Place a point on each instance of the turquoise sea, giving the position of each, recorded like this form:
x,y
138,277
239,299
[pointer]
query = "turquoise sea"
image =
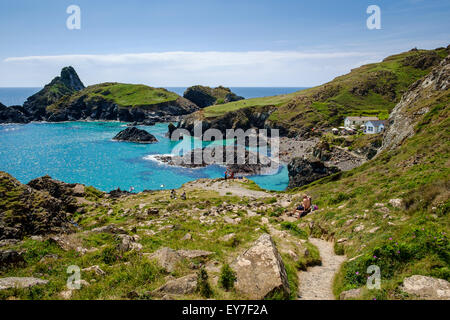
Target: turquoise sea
x,y
84,152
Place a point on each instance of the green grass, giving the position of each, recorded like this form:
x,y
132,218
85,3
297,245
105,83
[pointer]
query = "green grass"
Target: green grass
x,y
124,95
370,90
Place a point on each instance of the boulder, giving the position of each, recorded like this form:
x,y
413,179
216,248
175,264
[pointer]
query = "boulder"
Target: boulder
x,y
353,294
19,283
128,243
167,258
133,134
10,258
260,271
303,171
426,288
95,269
192,254
180,286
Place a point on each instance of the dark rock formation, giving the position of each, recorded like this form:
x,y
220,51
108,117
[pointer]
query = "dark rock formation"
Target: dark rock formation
x,y
305,171
242,163
87,105
26,211
205,96
11,258
66,192
14,114
244,119
134,134
66,84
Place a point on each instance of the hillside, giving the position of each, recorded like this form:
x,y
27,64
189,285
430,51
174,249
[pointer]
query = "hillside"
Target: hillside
x,y
393,210
232,240
118,101
372,89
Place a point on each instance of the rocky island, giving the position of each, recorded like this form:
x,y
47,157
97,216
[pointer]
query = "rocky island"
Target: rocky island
x,y
133,134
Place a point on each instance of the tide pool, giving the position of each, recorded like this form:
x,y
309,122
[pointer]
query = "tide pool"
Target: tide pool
x,y
83,152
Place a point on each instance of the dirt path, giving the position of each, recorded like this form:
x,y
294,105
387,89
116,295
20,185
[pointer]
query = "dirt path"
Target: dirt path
x,y
316,282
226,188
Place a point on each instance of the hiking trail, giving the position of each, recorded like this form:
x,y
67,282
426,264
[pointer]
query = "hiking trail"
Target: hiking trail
x,y
316,283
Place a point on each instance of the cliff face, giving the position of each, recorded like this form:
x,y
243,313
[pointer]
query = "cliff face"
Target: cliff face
x,y
14,114
66,84
416,103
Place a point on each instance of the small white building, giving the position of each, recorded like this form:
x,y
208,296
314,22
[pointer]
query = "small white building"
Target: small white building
x,y
357,121
374,126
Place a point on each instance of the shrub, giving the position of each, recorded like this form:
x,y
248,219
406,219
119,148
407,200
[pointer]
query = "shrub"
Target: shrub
x,y
203,287
227,277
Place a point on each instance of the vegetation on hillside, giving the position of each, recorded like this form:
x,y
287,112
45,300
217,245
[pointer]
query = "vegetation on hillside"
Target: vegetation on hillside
x,y
370,90
124,95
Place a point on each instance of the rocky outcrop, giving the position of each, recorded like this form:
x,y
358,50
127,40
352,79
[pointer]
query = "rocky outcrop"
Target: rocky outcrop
x,y
414,106
260,271
19,283
426,288
134,134
247,118
180,286
26,211
205,96
13,114
11,258
66,84
168,258
303,171
65,192
353,294
242,164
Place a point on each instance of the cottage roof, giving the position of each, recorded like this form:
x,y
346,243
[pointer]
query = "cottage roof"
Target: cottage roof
x,y
362,118
377,123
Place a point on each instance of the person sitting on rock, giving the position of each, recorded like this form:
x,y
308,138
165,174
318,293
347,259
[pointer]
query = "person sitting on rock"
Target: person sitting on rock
x,y
304,208
173,194
183,195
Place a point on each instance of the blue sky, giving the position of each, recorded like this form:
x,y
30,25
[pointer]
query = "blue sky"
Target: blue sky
x,y
211,42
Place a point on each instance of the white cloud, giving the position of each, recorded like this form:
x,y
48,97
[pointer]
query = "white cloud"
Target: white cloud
x,y
182,68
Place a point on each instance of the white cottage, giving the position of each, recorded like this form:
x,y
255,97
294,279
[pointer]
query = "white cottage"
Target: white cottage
x,y
357,121
374,126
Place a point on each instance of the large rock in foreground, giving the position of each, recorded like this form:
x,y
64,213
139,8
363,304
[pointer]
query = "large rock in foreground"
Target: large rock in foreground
x,y
305,171
134,134
260,271
427,288
26,211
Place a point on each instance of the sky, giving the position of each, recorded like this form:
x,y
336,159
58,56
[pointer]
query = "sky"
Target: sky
x,y
169,43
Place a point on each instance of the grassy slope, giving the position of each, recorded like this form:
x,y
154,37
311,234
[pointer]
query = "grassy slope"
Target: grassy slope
x,y
131,271
124,95
413,239
372,89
